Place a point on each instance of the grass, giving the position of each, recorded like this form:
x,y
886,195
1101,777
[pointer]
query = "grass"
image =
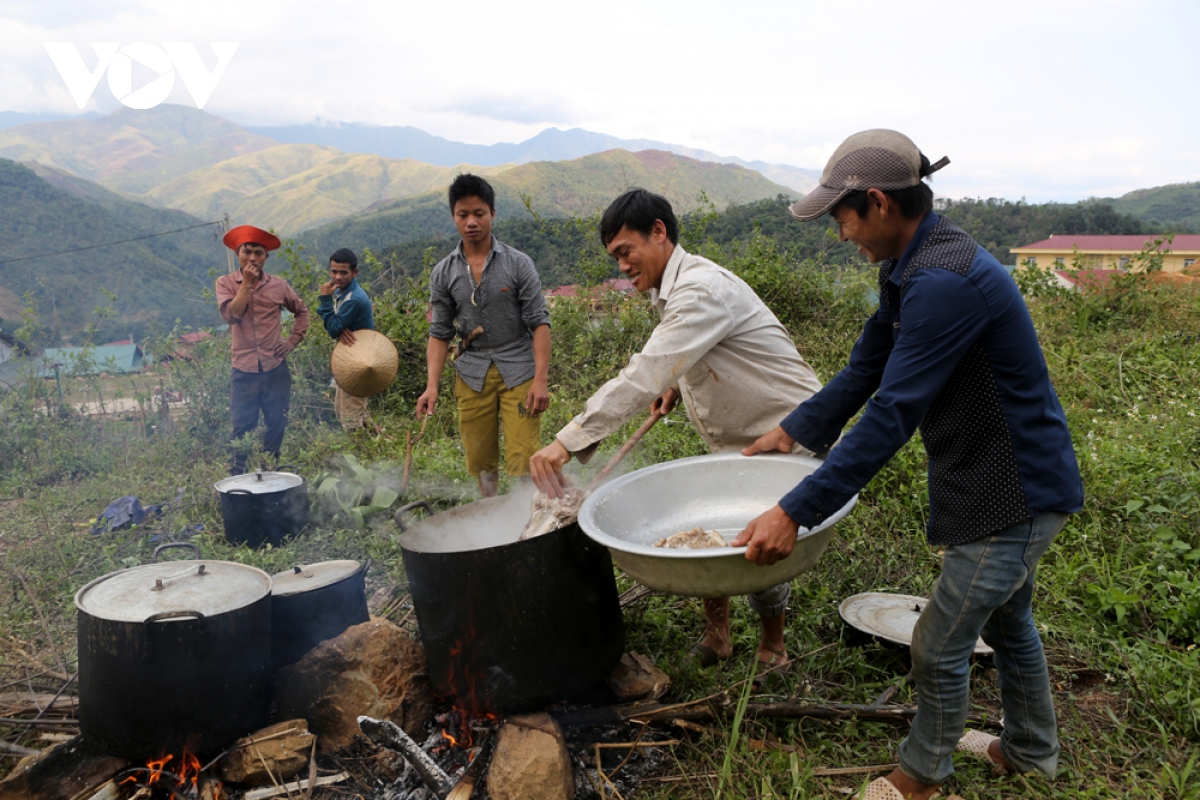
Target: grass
x,y
1118,602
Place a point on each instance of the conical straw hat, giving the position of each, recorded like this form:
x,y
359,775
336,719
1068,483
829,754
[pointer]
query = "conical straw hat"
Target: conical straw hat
x,y
366,368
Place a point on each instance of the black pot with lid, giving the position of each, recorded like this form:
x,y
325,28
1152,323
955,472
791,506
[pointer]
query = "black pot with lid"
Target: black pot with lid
x,y
261,508
315,602
174,655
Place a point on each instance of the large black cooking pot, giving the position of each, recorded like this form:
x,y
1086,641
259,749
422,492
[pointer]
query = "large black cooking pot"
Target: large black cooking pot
x,y
174,655
510,626
263,507
314,602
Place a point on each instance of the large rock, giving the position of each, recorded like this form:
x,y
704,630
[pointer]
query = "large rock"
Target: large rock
x,y
636,678
531,761
265,756
373,668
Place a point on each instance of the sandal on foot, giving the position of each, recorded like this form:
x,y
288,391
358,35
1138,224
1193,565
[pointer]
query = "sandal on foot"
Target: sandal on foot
x,y
705,656
883,789
771,672
977,744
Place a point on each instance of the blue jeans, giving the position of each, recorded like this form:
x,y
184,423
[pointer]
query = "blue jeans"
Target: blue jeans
x,y
986,588
250,392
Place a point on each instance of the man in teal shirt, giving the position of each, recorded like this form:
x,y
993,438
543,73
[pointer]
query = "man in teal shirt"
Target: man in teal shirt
x,y
344,308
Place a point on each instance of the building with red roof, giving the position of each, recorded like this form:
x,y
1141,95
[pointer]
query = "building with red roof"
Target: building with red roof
x,y
1107,252
623,285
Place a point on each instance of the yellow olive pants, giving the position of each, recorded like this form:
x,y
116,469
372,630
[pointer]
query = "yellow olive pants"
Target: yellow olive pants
x,y
480,415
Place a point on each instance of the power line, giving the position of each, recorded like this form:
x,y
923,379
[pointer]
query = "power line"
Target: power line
x,y
110,244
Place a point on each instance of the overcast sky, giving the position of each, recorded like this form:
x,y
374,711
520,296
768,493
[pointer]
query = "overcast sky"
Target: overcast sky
x,y
1047,100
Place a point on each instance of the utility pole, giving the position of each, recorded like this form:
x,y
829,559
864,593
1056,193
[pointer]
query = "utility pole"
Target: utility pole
x,y
231,267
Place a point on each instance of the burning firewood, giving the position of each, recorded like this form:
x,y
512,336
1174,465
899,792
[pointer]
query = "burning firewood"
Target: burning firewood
x,y
389,734
466,782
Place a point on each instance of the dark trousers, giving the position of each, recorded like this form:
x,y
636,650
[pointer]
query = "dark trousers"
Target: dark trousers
x,y
268,392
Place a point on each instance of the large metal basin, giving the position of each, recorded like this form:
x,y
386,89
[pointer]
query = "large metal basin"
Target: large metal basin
x,y
721,492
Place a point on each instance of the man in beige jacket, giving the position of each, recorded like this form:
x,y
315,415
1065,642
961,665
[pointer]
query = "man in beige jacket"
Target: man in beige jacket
x,y
718,347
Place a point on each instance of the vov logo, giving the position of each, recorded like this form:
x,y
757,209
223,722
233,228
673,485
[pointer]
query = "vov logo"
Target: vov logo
x,y
164,61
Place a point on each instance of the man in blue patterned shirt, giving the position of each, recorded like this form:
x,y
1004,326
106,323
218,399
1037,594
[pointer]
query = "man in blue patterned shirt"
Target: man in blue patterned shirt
x,y
951,350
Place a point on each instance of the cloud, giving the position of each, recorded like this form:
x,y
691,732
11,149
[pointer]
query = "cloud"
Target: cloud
x,y
1026,97
525,110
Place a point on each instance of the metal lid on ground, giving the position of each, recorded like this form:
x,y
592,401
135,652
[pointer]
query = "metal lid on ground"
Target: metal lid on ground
x,y
891,617
307,577
260,482
173,590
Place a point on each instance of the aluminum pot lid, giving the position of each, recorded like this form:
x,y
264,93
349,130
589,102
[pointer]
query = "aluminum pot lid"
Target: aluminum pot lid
x,y
260,482
205,587
891,617
306,577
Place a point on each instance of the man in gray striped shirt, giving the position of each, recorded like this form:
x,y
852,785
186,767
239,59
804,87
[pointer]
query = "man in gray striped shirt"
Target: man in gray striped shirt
x,y
491,296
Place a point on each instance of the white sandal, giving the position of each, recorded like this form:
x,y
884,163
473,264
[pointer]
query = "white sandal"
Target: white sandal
x,y
978,744
883,789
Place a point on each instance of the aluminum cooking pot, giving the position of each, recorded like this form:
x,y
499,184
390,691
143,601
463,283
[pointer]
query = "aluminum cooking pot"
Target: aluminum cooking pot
x,y
314,602
263,507
720,492
508,625
174,655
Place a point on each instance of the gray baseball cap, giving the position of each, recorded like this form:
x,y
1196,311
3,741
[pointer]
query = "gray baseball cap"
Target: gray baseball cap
x,y
874,159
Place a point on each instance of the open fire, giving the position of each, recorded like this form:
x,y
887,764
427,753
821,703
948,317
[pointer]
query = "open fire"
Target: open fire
x,y
171,776
464,680
461,731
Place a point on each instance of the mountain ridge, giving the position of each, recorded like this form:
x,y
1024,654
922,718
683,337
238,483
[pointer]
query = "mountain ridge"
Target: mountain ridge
x,y
1175,205
580,187
551,144
187,159
156,278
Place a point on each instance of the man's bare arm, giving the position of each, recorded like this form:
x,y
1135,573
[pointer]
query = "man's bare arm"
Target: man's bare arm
x,y
436,353
538,399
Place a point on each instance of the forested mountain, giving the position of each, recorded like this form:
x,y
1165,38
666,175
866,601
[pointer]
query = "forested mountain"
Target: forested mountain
x,y
129,150
558,246
1175,207
155,280
1000,225
87,172
552,144
186,159
554,189
296,186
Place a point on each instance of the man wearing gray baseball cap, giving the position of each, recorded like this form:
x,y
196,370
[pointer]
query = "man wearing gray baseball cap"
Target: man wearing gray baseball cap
x,y
951,350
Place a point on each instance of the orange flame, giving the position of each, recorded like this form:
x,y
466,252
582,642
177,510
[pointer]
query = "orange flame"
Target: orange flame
x,y
156,767
188,771
463,673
